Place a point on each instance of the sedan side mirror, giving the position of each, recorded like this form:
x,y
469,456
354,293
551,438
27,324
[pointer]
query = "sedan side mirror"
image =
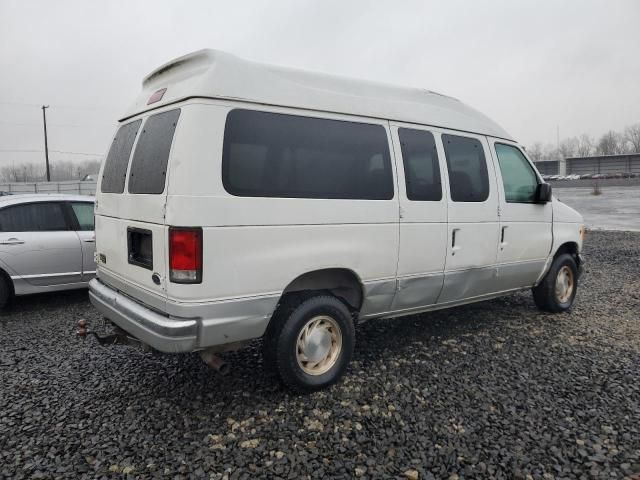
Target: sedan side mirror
x,y
543,193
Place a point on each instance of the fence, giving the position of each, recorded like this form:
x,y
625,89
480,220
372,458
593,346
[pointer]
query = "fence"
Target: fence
x,y
548,167
606,164
74,186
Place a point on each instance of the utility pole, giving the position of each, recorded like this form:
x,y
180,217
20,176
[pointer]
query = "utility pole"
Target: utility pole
x,y
46,145
562,162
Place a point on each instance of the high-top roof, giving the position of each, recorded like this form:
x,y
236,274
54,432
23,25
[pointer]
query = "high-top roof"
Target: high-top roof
x,y
216,74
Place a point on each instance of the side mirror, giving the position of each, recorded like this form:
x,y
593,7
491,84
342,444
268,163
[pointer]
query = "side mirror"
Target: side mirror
x,y
543,193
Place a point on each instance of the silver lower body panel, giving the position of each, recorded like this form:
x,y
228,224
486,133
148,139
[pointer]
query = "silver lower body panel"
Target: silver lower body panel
x,y
225,322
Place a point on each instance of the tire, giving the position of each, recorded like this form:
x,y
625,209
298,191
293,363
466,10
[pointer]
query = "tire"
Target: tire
x,y
309,342
5,292
551,299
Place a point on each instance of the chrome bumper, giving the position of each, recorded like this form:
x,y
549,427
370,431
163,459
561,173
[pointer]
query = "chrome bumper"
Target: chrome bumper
x,y
158,331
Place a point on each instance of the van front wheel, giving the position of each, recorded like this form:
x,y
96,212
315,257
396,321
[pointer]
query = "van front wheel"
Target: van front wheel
x,y
558,289
309,343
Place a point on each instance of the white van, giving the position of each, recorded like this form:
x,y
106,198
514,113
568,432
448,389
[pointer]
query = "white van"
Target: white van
x,y
241,200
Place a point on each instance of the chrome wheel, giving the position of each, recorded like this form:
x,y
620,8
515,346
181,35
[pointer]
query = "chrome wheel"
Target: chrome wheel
x,y
564,284
319,345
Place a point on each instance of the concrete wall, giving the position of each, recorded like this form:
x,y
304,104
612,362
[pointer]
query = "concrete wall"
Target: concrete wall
x,y
76,187
548,167
599,164
604,164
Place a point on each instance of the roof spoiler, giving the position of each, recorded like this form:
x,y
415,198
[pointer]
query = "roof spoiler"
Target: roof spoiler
x,y
189,65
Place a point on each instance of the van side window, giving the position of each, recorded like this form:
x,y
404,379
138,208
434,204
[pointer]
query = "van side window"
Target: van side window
x,y
467,167
519,179
149,164
421,168
115,166
277,155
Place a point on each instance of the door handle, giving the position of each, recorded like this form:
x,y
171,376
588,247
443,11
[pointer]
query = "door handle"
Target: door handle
x,y
12,241
454,247
502,236
89,240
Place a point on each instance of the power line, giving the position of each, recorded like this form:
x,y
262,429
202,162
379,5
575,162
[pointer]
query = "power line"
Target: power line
x,y
18,104
55,151
79,153
65,125
78,107
21,151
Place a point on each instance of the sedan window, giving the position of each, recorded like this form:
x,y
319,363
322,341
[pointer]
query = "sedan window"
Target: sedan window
x,y
33,217
84,213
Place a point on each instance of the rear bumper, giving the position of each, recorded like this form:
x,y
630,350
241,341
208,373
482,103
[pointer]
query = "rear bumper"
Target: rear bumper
x,y
158,331
184,328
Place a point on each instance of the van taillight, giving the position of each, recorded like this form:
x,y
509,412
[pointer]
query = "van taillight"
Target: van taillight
x,y
185,255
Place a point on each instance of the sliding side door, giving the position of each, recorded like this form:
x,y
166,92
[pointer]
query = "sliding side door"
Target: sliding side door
x,y
423,217
470,269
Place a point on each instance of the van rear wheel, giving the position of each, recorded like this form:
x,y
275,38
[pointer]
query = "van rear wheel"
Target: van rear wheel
x,y
557,290
309,342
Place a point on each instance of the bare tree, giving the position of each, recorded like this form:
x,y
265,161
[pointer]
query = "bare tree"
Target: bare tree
x,y
568,147
60,171
535,152
585,146
23,172
632,137
549,152
88,167
610,144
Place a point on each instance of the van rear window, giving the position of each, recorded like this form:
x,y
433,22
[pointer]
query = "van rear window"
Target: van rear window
x,y
276,155
149,164
115,166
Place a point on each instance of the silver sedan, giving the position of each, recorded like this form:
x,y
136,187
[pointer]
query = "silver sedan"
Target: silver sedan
x,y
47,243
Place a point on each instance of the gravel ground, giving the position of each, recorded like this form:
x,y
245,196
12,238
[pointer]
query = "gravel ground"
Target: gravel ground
x,y
493,390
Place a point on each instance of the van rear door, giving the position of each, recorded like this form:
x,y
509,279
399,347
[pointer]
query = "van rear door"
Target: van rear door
x,y
131,235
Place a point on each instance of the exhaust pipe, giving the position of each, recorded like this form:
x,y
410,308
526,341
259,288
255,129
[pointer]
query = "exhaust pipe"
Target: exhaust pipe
x,y
215,362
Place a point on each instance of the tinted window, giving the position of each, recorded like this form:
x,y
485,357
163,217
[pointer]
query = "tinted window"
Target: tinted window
x,y
467,167
84,214
275,155
149,164
33,217
421,168
519,180
115,166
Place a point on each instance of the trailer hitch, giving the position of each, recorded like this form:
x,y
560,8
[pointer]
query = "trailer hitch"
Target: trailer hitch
x,y
116,337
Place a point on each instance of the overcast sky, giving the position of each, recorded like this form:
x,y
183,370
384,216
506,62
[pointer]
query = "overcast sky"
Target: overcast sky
x,y
531,65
